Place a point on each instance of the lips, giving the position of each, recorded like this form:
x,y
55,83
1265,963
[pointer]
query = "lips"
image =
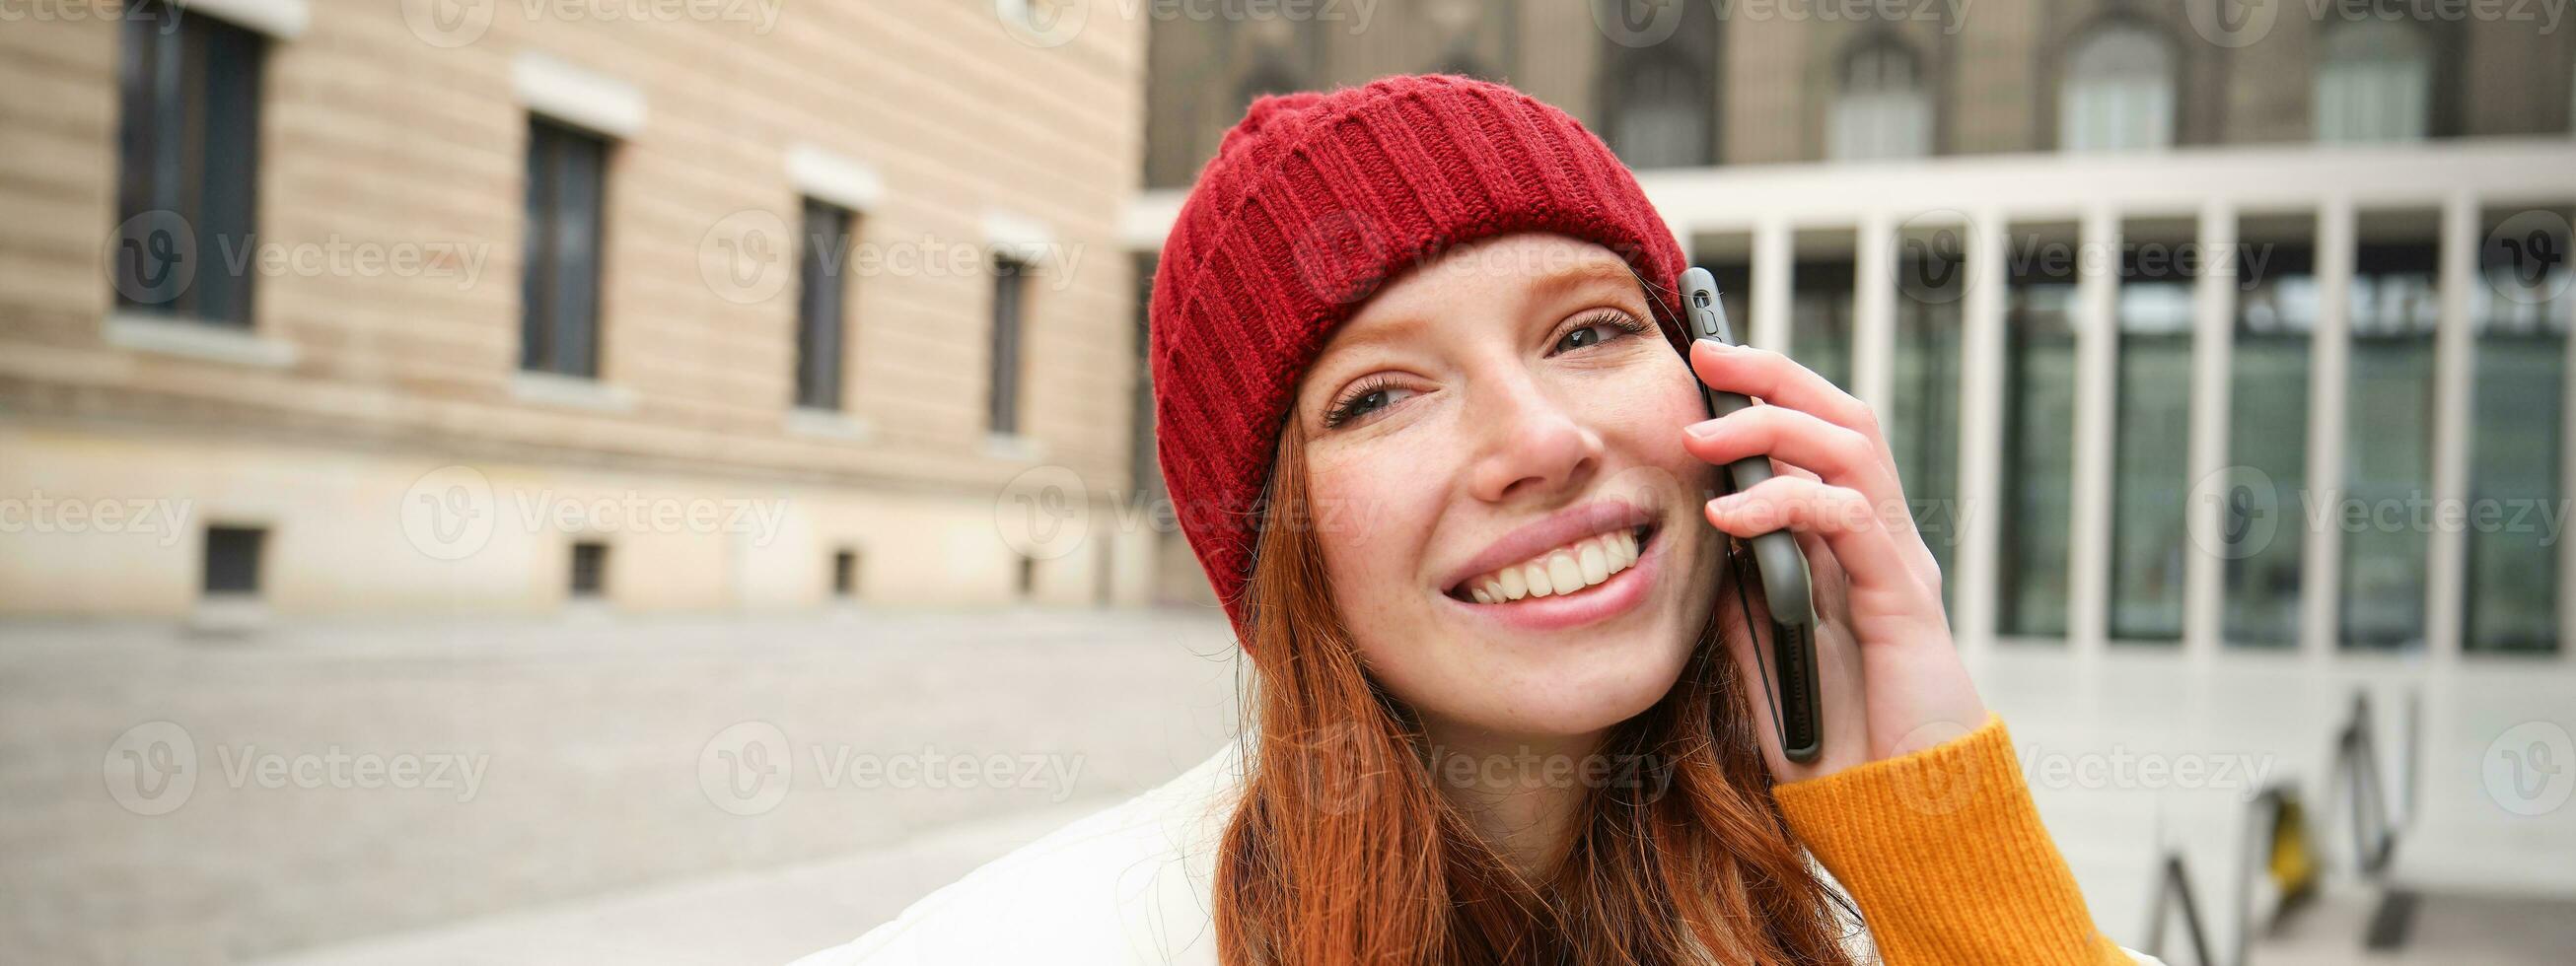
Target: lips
x,y
1539,541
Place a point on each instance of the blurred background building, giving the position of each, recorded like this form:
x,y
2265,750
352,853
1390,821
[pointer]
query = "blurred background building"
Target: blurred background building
x,y
437,307
2222,345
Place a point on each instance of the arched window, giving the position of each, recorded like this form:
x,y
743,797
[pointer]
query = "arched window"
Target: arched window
x,y
2374,83
1881,109
1661,112
2118,93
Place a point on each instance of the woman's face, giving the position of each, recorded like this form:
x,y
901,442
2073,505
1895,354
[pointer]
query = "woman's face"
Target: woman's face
x,y
1507,421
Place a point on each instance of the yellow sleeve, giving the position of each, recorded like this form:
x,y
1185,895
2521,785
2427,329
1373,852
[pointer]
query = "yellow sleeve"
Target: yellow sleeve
x,y
1944,852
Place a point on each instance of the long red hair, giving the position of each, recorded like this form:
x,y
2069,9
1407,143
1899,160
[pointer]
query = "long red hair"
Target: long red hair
x,y
1342,851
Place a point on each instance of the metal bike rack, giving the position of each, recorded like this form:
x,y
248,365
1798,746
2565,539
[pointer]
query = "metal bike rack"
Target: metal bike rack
x,y
2277,812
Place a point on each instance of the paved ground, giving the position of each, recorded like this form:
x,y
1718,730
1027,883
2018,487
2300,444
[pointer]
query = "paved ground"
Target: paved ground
x,y
726,791
607,756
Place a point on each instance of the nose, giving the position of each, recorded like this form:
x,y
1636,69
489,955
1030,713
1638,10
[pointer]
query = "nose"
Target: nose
x,y
1530,441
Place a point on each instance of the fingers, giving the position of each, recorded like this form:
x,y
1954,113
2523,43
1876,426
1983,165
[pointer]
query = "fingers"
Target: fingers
x,y
1862,544
1839,454
1781,381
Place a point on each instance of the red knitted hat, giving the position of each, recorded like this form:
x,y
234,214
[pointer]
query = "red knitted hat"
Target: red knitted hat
x,y
1312,202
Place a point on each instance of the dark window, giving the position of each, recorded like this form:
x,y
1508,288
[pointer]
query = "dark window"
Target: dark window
x,y
1820,317
2151,450
589,569
188,155
2039,433
818,306
845,573
1010,285
232,559
2395,304
2267,442
2515,432
1663,114
559,290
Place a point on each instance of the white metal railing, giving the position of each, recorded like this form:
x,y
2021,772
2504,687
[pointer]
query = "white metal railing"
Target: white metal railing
x,y
2100,194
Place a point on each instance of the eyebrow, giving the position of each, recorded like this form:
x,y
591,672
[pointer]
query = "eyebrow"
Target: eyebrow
x,y
1552,285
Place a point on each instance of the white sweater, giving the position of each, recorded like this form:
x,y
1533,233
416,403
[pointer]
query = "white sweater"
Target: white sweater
x,y
1127,886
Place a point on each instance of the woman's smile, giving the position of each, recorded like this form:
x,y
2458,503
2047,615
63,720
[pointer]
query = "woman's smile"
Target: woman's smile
x,y
1585,564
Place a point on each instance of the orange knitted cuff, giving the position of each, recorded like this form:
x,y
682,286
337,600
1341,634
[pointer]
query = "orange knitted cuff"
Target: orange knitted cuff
x,y
1944,852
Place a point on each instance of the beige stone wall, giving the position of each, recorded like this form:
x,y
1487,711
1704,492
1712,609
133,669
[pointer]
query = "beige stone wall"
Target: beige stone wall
x,y
372,135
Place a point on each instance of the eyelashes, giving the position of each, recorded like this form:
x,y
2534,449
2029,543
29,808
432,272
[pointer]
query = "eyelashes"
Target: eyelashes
x,y
1348,408
1356,402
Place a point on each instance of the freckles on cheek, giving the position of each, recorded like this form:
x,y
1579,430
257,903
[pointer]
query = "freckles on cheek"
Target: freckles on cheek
x,y
1371,516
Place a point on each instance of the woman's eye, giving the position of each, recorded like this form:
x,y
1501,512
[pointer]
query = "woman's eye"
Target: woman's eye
x,y
1363,401
1599,329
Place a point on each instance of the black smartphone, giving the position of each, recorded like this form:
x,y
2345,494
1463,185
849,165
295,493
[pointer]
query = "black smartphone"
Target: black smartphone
x,y
1786,585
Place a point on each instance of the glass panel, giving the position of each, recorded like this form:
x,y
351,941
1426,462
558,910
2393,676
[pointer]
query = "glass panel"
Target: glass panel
x,y
1663,113
1009,288
2388,454
1923,411
1820,318
2520,315
187,144
2151,448
228,171
2118,92
818,318
577,227
2375,83
2267,444
1881,111
536,340
2039,437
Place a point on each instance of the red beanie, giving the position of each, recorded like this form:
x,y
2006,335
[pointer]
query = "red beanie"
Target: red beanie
x,y
1312,202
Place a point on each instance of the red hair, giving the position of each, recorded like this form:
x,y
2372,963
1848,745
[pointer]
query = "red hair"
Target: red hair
x,y
1342,851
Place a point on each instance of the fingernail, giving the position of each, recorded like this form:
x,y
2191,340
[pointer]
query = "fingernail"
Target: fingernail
x,y
1702,429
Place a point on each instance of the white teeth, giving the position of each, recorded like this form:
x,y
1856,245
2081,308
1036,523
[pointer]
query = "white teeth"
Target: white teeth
x,y
1563,570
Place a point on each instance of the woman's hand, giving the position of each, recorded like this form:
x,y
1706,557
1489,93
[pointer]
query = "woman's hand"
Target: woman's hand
x,y
1890,677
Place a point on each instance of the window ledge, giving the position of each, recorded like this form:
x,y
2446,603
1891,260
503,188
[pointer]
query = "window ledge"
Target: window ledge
x,y
210,341
228,615
572,392
829,424
281,19
1013,446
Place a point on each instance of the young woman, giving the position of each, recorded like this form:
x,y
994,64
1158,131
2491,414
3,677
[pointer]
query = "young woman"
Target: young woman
x,y
1425,405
